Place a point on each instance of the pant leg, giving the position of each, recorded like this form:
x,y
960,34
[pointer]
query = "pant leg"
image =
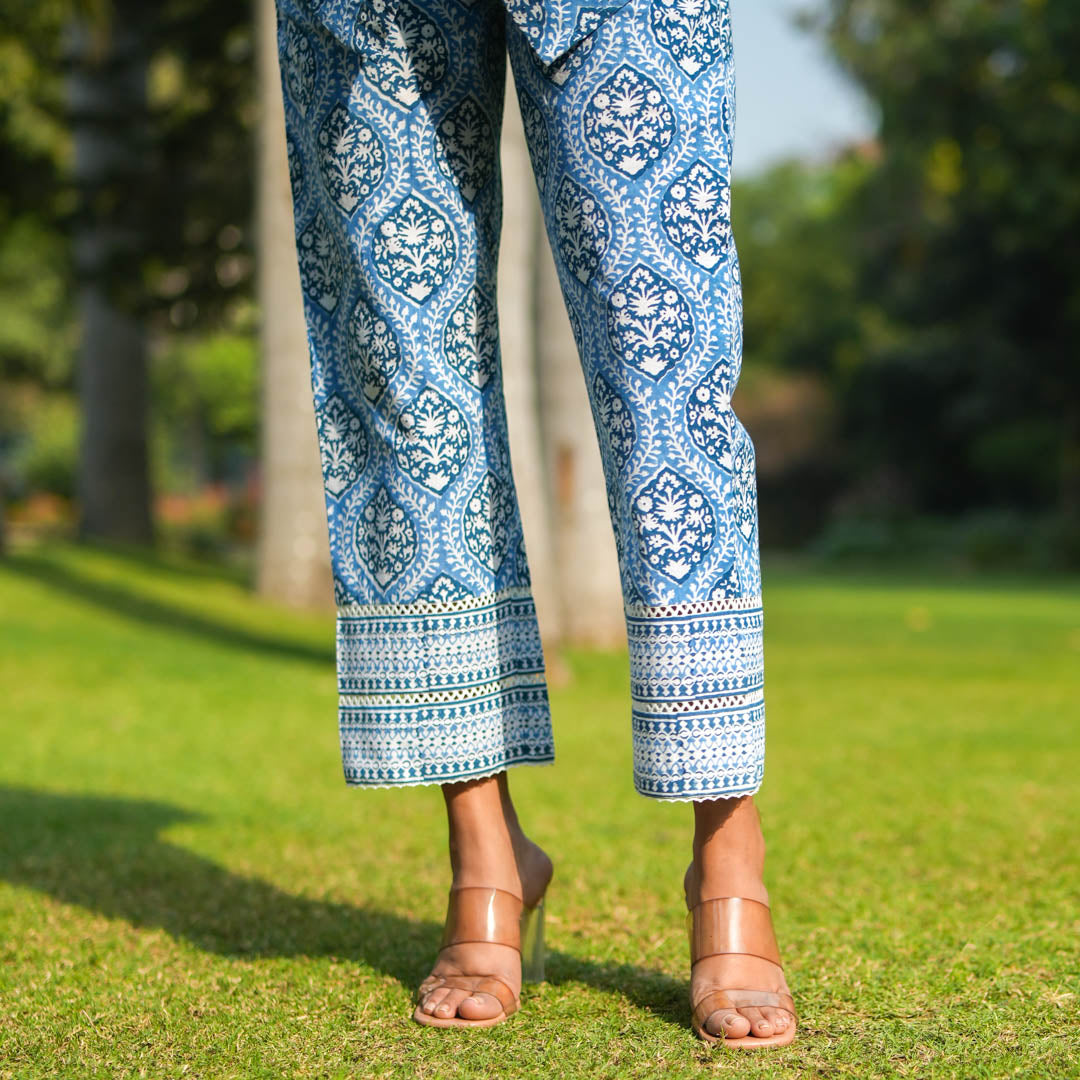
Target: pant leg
x,y
631,141
393,111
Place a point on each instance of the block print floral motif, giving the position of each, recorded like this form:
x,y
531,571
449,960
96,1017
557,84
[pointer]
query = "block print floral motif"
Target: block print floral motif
x,y
385,538
412,59
743,492
431,440
373,23
341,593
727,584
627,122
649,322
471,338
536,135
675,524
615,419
696,215
373,349
352,157
529,16
487,518
582,229
343,444
322,267
467,141
444,589
709,419
296,171
562,67
696,33
414,248
299,65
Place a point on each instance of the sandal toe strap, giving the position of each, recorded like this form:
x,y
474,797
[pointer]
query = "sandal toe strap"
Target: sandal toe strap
x,y
474,984
727,1000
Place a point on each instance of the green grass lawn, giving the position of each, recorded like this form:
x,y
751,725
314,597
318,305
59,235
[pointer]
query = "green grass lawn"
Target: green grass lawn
x,y
187,887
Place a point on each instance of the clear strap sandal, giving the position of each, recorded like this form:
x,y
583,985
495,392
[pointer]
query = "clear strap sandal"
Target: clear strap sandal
x,y
486,915
736,926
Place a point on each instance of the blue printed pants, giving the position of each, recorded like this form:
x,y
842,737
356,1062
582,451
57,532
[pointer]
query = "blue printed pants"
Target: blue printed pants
x,y
393,114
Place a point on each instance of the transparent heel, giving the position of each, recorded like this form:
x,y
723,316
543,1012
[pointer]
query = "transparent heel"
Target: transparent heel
x,y
532,943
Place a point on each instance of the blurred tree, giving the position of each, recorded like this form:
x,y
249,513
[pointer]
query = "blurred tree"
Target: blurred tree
x,y
293,554
107,63
970,243
145,188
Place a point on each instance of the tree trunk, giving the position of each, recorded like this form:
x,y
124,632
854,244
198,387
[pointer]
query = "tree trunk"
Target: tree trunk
x,y
589,586
518,248
106,94
293,558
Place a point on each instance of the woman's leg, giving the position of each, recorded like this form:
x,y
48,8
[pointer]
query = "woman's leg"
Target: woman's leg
x,y
393,113
729,860
487,848
631,134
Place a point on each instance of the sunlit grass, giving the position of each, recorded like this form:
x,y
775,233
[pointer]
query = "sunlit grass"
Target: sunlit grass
x,y
186,882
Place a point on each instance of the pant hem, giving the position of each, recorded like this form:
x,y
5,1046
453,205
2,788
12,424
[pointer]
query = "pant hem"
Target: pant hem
x,y
703,796
429,781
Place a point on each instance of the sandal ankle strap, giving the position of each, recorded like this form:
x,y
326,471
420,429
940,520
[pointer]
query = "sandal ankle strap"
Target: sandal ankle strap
x,y
483,915
731,924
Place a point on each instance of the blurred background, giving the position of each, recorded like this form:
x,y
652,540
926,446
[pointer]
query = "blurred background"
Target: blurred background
x,y
906,209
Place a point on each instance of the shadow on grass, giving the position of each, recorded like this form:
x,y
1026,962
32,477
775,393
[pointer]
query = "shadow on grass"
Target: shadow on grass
x,y
129,603
104,854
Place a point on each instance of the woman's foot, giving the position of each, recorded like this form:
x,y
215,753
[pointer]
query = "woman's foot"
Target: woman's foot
x,y
729,858
487,848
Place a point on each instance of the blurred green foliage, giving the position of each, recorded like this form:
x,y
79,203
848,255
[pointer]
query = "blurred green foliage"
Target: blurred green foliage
x,y
911,306
194,264
931,280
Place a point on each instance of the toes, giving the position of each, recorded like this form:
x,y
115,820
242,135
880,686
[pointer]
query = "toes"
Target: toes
x,y
761,1026
729,1023
432,999
449,1004
480,1007
779,1019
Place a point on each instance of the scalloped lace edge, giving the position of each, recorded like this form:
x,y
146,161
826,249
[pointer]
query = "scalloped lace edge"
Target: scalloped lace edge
x,y
699,798
440,780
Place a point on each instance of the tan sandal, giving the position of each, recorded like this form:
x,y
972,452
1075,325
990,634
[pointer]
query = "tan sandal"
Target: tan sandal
x,y
734,926
492,916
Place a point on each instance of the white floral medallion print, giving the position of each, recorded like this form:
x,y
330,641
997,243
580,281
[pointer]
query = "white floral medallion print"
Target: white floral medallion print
x,y
414,248
675,523
353,158
696,215
536,137
322,266
431,440
343,445
616,421
467,138
697,33
373,350
296,169
627,122
298,66
471,338
649,321
487,519
709,417
744,486
583,229
385,538
412,59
